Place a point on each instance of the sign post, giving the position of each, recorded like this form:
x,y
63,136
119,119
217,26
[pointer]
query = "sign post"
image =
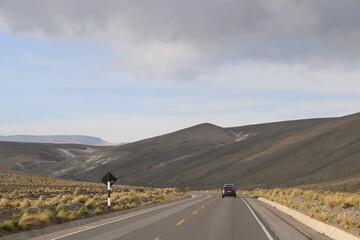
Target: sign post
x,y
109,180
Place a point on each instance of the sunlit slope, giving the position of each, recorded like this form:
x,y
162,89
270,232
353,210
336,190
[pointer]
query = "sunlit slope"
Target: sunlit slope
x,y
205,156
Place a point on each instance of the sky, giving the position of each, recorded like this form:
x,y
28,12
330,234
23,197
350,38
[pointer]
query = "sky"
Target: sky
x,y
127,70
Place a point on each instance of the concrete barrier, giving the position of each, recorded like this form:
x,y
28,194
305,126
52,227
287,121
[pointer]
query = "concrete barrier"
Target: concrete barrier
x,y
326,229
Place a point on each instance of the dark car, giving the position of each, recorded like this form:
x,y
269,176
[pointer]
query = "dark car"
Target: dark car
x,y
228,190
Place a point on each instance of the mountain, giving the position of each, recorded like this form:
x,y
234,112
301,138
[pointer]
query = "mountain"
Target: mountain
x,y
32,157
75,139
134,158
322,153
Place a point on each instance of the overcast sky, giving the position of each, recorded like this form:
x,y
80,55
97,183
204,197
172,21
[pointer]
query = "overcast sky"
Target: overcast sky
x,y
125,70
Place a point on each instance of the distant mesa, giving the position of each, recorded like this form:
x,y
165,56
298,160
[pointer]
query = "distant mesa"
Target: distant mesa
x,y
59,139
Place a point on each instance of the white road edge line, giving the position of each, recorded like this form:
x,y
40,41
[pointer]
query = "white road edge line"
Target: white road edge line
x,y
260,223
117,220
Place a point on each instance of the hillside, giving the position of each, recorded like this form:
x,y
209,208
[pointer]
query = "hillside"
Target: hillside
x,y
134,158
29,157
63,139
282,154
321,153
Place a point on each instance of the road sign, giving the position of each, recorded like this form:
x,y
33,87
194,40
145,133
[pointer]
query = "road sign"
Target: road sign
x,y
109,178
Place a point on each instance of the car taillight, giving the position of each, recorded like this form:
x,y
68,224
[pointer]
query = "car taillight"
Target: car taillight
x,y
233,190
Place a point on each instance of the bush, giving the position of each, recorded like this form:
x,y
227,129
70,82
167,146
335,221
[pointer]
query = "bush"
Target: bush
x,y
62,215
96,211
31,221
80,199
25,203
90,203
60,206
72,214
82,211
7,225
16,203
4,202
51,215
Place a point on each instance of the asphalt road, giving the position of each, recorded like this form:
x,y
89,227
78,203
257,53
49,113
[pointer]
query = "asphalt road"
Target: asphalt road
x,y
205,216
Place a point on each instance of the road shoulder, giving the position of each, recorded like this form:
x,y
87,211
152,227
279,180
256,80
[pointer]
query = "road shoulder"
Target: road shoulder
x,y
283,226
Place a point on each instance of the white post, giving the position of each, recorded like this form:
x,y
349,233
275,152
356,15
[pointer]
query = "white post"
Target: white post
x,y
108,188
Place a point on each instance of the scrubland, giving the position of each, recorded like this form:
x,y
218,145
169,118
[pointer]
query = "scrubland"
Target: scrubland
x,y
31,201
335,208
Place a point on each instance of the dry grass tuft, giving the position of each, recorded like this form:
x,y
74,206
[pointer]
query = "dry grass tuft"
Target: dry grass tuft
x,y
37,220
7,225
4,202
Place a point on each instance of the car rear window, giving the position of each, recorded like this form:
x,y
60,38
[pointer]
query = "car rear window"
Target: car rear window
x,y
229,188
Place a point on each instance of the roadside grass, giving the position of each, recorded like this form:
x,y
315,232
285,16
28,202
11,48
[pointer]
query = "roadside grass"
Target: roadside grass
x,y
35,201
336,208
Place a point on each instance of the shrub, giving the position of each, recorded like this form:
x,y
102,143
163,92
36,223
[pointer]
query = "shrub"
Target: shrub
x,y
96,211
83,211
51,215
313,212
7,225
80,199
305,206
118,207
62,215
25,203
90,203
72,214
346,223
66,198
311,195
16,203
60,206
4,202
76,192
295,192
325,216
30,221
332,201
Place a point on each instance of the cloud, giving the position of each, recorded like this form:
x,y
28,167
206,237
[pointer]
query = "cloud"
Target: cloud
x,y
167,38
279,77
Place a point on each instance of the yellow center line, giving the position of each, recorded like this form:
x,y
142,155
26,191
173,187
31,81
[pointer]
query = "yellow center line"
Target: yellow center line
x,y
180,222
195,212
157,239
202,206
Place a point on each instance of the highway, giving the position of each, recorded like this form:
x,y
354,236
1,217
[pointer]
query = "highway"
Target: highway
x,y
204,216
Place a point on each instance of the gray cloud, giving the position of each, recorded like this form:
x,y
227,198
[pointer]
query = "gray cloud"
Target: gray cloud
x,y
167,37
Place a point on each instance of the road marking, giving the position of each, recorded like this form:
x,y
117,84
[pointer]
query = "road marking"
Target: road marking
x,y
202,206
157,239
180,222
260,223
195,212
